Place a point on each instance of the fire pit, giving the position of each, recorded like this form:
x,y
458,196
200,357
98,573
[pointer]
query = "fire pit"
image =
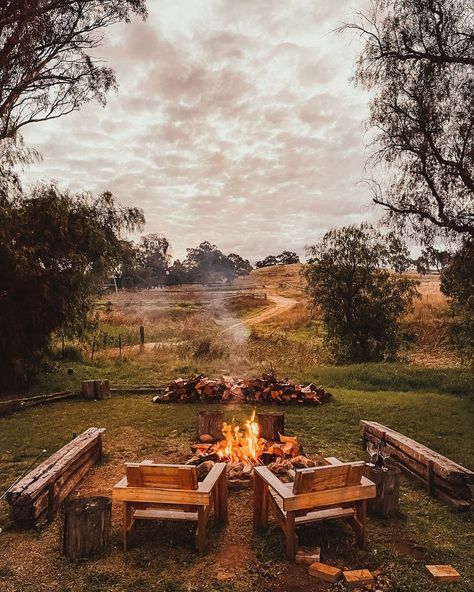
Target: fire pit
x,y
242,447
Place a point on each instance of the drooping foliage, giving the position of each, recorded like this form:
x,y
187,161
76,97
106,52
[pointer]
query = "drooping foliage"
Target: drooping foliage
x,y
418,60
56,249
48,66
360,298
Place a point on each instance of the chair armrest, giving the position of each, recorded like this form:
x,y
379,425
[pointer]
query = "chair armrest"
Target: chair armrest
x,y
272,481
212,477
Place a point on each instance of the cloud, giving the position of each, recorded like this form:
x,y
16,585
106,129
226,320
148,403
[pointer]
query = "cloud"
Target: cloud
x,y
235,122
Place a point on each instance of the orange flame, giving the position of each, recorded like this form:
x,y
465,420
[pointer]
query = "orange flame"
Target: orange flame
x,y
240,445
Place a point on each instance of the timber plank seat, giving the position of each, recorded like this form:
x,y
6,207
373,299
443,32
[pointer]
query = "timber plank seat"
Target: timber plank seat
x,y
152,491
39,493
334,491
442,477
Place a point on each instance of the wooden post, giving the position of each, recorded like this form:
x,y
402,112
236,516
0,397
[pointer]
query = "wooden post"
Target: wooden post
x,y
210,423
271,425
142,336
85,527
387,484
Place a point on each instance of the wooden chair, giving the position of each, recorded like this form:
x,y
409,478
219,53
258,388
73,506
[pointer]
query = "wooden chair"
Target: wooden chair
x,y
171,492
337,490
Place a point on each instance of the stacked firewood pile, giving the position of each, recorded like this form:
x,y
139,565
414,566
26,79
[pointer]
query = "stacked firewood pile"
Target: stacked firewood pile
x,y
270,390
266,390
198,389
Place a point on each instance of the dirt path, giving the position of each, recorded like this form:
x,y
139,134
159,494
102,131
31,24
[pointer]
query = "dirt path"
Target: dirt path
x,y
281,304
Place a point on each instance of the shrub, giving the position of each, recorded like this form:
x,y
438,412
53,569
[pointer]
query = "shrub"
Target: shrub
x,y
360,299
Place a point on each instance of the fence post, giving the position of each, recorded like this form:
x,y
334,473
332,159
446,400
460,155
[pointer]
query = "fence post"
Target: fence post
x,y
142,336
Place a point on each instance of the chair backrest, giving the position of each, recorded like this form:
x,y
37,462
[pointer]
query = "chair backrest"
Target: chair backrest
x,y
328,477
148,474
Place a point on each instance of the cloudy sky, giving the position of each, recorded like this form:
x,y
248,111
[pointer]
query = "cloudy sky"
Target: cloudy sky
x,y
235,122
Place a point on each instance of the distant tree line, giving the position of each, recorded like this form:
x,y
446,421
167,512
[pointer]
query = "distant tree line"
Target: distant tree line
x,y
147,264
284,258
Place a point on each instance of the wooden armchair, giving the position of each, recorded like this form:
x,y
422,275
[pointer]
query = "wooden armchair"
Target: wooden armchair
x,y
337,490
171,492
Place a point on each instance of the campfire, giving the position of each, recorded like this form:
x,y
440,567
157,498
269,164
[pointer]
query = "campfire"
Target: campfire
x,y
242,447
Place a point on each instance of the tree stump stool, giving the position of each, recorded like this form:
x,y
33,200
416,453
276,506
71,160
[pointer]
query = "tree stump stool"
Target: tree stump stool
x,y
271,425
85,525
95,389
210,424
387,485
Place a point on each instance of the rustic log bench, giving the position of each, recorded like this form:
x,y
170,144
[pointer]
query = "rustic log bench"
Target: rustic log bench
x,y
442,477
39,493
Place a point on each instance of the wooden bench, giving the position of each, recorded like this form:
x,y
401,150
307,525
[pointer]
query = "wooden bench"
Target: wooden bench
x,y
39,493
442,477
171,492
337,490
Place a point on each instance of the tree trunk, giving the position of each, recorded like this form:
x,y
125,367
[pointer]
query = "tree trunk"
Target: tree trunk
x,y
210,423
271,425
85,525
387,484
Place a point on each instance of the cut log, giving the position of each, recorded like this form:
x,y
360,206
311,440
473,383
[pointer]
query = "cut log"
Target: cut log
x,y
210,423
271,425
95,389
102,389
88,389
85,527
387,484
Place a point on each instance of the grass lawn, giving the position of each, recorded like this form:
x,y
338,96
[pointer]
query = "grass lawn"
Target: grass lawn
x,y
439,413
